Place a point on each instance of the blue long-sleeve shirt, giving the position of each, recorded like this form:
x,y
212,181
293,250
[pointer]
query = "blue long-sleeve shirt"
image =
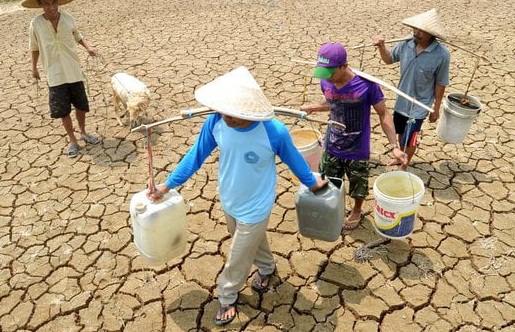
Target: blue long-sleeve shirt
x,y
247,172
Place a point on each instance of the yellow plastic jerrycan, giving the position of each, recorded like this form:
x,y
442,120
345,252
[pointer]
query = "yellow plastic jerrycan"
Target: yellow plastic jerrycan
x,y
159,228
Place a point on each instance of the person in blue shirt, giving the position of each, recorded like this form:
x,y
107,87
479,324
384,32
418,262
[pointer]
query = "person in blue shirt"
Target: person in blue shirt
x,y
424,74
248,139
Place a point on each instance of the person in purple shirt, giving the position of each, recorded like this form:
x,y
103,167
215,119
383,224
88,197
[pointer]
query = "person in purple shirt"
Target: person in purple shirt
x,y
248,139
348,99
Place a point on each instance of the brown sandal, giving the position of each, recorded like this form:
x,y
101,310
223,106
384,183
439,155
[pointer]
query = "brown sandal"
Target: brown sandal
x,y
353,224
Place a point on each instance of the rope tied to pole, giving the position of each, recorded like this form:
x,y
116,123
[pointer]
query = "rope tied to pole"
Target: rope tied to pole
x,y
151,185
410,123
35,85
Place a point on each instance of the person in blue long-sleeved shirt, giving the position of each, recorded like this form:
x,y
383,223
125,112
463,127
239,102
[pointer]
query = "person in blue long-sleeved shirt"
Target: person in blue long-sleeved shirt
x,y
247,171
247,179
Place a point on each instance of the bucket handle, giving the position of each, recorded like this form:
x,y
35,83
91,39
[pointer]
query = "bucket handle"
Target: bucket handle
x,y
296,122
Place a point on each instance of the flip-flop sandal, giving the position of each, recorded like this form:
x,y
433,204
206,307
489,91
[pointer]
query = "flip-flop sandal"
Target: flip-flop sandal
x,y
219,321
350,225
260,282
73,150
91,139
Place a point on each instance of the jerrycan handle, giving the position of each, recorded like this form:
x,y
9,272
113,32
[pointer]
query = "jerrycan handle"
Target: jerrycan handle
x,y
323,188
335,182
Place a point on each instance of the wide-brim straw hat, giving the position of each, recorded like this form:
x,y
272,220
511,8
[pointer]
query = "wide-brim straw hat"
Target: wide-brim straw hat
x,y
428,22
236,94
35,4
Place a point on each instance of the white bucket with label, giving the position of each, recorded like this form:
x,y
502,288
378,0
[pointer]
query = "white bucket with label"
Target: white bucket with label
x,y
457,118
309,143
397,198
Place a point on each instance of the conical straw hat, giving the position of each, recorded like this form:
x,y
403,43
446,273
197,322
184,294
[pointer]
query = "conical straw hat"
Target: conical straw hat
x,y
35,4
428,22
236,94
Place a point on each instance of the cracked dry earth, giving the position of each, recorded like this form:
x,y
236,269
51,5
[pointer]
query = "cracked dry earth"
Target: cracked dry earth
x,y
67,260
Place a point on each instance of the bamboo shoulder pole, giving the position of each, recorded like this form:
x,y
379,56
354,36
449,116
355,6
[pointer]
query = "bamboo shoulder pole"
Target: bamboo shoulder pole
x,y
386,42
184,114
468,51
380,82
409,37
303,115
391,87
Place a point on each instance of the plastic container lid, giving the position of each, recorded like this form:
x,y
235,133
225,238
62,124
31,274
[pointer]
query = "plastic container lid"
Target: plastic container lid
x,y
140,207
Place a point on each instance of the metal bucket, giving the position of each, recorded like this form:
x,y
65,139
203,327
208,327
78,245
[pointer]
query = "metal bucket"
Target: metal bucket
x,y
457,117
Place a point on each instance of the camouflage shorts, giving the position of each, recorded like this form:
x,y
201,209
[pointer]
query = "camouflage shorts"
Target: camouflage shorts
x,y
357,172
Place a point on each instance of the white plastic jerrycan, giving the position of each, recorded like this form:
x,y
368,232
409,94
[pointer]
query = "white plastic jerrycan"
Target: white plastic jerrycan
x,y
320,214
159,228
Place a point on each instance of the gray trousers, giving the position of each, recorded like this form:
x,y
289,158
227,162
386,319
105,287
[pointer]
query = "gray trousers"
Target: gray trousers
x,y
249,246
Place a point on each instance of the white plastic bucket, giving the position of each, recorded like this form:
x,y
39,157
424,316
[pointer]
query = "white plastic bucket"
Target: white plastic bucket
x,y
309,143
397,198
456,118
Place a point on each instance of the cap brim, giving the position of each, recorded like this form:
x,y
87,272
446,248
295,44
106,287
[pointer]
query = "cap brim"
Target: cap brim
x,y
323,72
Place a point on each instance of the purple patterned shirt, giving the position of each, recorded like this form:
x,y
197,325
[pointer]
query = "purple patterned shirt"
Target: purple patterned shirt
x,y
351,105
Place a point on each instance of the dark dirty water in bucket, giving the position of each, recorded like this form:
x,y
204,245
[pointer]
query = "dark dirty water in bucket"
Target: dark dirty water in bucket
x,y
463,101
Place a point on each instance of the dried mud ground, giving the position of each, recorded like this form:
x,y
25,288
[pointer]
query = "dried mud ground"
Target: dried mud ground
x,y
67,258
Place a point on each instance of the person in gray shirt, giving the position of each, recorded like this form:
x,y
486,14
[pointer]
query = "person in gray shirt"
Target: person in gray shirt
x,y
424,74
